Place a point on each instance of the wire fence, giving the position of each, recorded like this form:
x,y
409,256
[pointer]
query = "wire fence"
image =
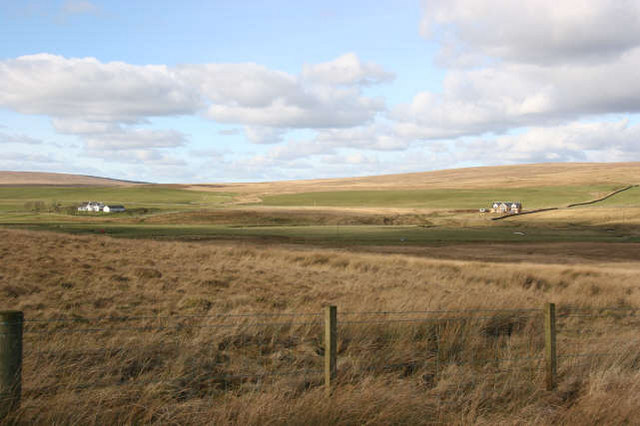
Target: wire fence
x,y
200,355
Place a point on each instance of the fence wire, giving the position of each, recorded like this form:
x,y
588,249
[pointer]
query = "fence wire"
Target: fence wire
x,y
243,346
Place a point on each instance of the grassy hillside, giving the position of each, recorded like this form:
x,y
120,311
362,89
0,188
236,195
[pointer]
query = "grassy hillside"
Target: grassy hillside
x,y
629,198
532,198
40,178
126,333
520,176
14,198
336,217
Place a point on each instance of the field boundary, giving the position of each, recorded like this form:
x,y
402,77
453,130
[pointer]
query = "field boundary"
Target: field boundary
x,y
555,331
584,203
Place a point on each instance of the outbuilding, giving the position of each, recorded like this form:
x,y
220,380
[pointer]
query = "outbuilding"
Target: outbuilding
x,y
113,208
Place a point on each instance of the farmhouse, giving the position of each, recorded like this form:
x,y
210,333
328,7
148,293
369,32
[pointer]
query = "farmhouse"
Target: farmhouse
x,y
95,206
506,207
91,206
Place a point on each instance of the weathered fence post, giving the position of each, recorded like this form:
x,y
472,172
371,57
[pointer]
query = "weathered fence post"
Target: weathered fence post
x,y
550,345
330,346
10,361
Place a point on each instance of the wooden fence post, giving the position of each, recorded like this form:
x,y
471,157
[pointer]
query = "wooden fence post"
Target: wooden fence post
x,y
550,357
330,346
11,323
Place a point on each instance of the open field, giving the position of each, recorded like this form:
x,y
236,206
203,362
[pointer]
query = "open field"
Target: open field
x,y
201,303
153,353
532,197
350,235
13,198
345,218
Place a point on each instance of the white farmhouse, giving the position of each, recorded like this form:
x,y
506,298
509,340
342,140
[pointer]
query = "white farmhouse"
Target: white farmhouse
x,y
504,207
95,206
91,206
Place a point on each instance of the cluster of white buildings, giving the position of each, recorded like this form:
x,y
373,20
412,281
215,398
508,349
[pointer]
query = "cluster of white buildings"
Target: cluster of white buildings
x,y
506,207
96,206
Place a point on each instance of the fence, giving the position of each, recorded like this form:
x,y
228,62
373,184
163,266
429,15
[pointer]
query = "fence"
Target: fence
x,y
214,354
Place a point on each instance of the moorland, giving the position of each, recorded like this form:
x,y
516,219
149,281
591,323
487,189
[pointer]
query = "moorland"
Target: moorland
x,y
201,303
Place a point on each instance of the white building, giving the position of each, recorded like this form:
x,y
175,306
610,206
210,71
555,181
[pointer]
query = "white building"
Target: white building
x,y
91,206
113,208
506,207
95,206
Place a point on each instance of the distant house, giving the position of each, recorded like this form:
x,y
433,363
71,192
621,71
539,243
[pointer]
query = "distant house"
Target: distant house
x,y
506,207
95,206
91,206
113,208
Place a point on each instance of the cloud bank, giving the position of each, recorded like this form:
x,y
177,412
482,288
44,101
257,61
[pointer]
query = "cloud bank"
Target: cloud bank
x,y
528,81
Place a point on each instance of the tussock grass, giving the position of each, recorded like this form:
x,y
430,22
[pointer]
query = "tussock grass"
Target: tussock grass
x,y
158,352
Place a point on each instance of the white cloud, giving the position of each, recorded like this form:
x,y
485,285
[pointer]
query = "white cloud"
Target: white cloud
x,y
113,136
376,136
148,157
88,89
347,69
79,7
21,157
100,102
76,126
18,138
507,95
127,139
533,31
263,135
575,141
535,63
228,132
251,94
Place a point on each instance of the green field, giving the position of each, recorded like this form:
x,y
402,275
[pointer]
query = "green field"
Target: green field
x,y
532,198
195,215
13,199
348,235
628,198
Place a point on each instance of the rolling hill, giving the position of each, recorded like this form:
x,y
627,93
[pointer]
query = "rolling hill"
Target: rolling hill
x,y
9,178
519,176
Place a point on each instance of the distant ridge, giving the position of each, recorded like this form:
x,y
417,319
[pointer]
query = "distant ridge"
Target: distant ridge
x,y
9,178
512,176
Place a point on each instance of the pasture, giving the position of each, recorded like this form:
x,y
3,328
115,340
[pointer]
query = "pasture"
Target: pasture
x,y
14,198
532,197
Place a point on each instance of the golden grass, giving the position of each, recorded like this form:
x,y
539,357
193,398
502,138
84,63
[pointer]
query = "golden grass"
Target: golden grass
x,y
62,179
592,216
189,375
520,176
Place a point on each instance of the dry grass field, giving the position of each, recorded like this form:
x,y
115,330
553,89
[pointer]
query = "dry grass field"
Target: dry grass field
x,y
58,179
520,176
127,332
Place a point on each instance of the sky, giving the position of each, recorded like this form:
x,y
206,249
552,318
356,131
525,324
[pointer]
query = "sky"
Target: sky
x,y
236,91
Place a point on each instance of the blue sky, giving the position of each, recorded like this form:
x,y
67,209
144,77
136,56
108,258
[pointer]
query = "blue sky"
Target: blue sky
x,y
204,91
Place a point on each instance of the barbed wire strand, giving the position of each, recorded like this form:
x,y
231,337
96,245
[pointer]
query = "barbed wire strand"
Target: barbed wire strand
x,y
164,317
